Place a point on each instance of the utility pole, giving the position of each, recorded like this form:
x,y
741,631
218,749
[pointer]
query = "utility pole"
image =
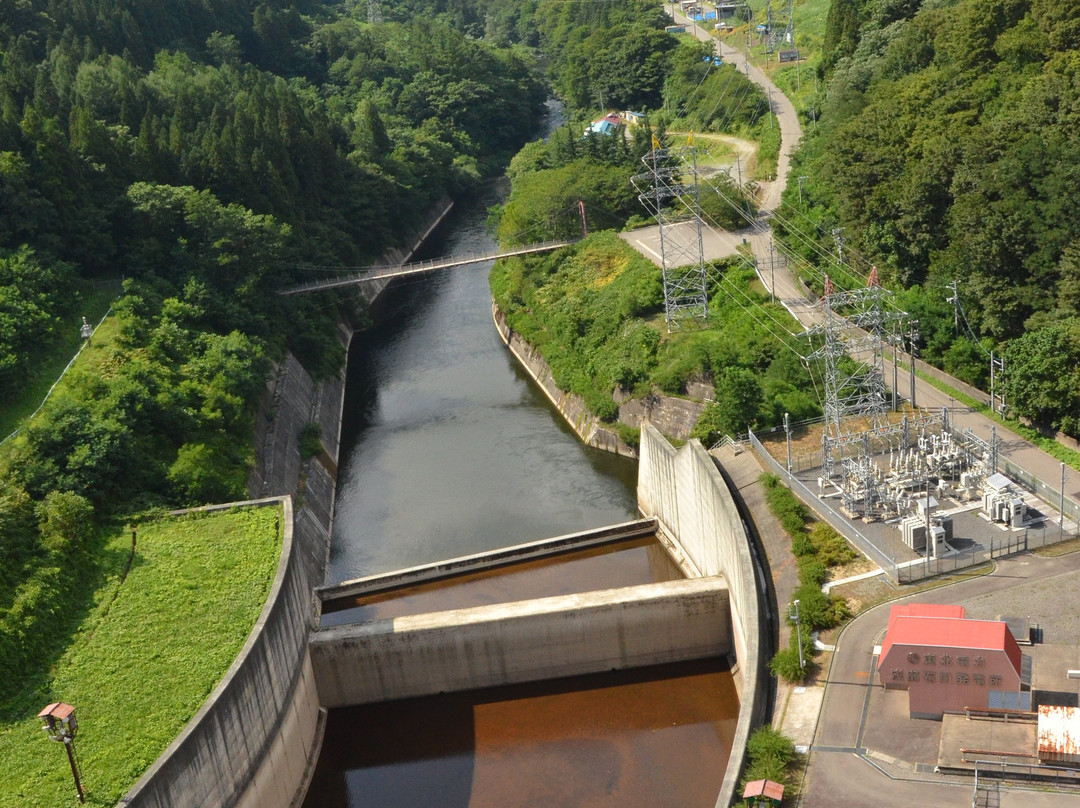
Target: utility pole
x,y
955,300
798,634
1061,504
772,270
913,337
738,168
838,234
770,108
895,372
801,180
997,366
787,433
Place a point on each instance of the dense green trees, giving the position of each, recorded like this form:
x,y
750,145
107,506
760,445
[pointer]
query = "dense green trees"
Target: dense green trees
x,y
946,150
205,151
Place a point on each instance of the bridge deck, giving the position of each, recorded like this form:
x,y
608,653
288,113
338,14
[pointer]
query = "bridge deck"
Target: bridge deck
x,y
419,267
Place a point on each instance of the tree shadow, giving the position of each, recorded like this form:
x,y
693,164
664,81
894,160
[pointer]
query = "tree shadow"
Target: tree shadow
x,y
65,597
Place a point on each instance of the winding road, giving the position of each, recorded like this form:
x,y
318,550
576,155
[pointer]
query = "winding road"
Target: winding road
x,y
842,769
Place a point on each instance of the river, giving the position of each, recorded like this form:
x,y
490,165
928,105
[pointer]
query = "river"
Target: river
x,y
448,447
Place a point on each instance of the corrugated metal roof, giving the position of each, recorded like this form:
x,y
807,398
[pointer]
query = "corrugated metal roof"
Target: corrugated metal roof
x,y
1059,732
924,610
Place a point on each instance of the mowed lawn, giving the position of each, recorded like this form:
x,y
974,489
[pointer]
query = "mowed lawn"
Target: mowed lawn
x,y
153,645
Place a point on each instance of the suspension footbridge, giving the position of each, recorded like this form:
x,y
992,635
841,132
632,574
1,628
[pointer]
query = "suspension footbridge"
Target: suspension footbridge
x,y
377,272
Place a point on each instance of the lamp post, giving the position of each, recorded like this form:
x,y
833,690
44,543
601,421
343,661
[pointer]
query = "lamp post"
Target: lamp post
x,y
58,719
798,633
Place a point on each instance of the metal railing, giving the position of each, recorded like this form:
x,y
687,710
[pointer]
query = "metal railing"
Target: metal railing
x,y
375,273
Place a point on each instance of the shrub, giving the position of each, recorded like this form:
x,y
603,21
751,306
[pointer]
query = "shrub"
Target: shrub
x,y
630,435
785,665
768,742
310,440
830,546
811,571
64,519
801,546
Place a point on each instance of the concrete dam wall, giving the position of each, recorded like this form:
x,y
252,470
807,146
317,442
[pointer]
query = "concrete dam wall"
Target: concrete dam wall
x,y
525,641
687,494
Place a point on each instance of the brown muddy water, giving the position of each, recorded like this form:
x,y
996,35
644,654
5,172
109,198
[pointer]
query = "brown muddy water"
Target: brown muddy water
x,y
648,738
609,566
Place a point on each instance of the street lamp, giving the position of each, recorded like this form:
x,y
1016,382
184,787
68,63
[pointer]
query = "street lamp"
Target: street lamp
x,y
798,632
58,719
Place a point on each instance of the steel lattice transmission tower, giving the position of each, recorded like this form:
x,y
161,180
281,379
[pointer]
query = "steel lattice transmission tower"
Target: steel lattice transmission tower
x,y
374,11
669,189
854,388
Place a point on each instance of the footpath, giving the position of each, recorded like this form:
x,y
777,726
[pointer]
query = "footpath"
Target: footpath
x,y
795,709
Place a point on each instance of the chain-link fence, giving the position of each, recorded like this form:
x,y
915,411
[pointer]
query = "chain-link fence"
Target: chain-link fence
x,y
903,572
839,523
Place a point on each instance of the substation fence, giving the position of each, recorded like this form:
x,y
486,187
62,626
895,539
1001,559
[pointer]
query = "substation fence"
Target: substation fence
x,y
1047,493
838,522
905,572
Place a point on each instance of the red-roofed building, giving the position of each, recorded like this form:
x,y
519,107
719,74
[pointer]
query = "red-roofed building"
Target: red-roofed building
x,y
947,663
923,610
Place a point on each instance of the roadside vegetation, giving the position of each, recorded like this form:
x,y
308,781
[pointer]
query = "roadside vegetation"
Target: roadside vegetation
x,y
770,756
816,547
151,616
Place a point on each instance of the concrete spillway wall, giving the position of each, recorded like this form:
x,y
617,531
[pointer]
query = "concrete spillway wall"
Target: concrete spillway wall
x,y
526,641
251,741
686,493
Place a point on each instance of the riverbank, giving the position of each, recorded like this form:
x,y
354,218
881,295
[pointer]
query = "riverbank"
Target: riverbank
x,y
672,416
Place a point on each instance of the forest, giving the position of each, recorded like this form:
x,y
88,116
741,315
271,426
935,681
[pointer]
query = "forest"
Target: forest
x,y
945,146
195,156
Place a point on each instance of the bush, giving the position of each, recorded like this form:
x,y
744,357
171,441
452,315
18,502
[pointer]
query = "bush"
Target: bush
x,y
64,519
768,742
310,440
785,665
812,571
801,546
770,753
830,546
630,435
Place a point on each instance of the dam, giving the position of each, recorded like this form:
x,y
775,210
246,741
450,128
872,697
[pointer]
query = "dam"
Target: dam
x,y
257,740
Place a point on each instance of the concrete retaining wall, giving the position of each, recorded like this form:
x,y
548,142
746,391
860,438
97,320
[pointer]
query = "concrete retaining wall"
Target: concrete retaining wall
x,y
526,641
684,490
252,740
588,427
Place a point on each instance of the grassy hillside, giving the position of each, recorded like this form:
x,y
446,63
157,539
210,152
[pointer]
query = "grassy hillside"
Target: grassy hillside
x,y
146,632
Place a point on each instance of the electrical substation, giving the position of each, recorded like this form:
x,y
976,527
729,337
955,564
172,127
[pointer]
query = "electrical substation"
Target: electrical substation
x,y
903,484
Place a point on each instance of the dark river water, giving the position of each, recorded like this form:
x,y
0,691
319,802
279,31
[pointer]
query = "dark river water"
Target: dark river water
x,y
448,449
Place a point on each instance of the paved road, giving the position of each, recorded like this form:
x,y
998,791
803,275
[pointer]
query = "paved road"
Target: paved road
x,y
778,278
838,777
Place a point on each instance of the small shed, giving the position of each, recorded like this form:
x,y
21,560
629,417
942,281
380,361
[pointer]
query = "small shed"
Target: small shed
x,y
763,792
